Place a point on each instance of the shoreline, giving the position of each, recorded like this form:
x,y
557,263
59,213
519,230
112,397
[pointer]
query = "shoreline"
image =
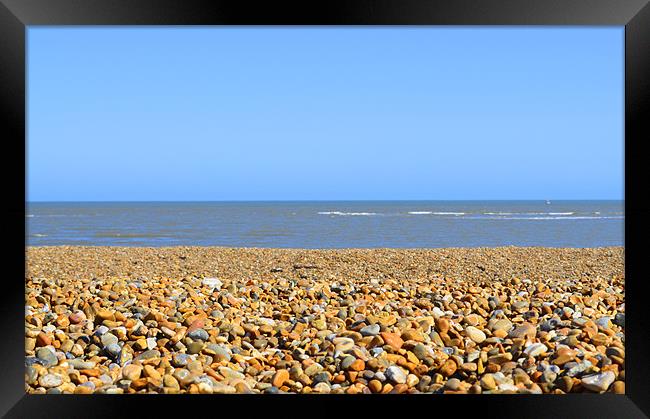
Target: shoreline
x,y
228,320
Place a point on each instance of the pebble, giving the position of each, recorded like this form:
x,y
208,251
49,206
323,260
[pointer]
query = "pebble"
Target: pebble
x,y
526,330
280,377
50,380
212,283
475,334
109,339
396,375
535,349
372,330
47,357
488,383
113,350
131,372
392,339
198,334
598,382
453,384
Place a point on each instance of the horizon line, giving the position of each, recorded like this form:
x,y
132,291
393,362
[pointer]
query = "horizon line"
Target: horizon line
x,y
328,200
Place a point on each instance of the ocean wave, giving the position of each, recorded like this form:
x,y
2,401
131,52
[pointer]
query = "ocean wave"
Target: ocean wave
x,y
448,213
531,213
38,235
419,212
579,217
346,213
128,235
29,215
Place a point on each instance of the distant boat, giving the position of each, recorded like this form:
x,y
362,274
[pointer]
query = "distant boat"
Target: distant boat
x,y
548,202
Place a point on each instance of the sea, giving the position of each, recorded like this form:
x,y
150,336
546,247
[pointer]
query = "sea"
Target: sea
x,y
327,224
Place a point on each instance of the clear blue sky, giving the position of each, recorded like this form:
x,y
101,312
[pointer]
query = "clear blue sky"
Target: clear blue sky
x,y
325,113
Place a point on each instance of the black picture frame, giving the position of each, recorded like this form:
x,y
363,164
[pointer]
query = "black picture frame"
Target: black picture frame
x,y
17,15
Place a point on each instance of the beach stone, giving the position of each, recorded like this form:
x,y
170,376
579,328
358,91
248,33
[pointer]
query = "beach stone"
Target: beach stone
x,y
180,359
579,368
488,383
105,315
280,377
501,324
131,372
549,376
412,334
453,384
443,325
526,330
150,354
598,382
392,339
109,339
31,375
396,375
509,388
322,387
475,334
220,353
618,387
171,382
30,344
535,349
101,330
375,386
228,373
77,317
195,347
571,341
213,283
113,350
421,351
50,380
343,344
605,322
448,368
43,340
357,365
47,357
313,369
152,373
619,319
198,334
614,351
347,361
372,330
80,364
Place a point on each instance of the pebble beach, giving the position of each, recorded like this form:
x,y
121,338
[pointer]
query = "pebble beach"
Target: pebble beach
x,y
210,320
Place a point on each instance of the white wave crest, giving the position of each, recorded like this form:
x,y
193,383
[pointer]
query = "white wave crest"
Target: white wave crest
x,y
346,213
419,212
561,213
29,215
448,213
560,218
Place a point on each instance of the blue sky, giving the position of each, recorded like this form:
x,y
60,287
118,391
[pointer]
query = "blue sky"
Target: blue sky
x,y
325,113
